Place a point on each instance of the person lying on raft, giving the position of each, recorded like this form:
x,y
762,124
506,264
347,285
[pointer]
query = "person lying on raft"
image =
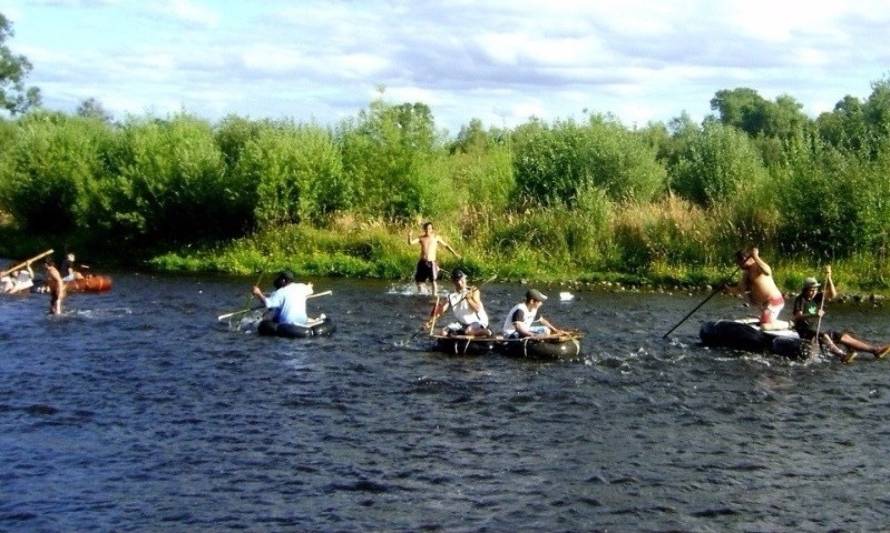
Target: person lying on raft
x,y
808,307
520,319
287,304
466,305
759,287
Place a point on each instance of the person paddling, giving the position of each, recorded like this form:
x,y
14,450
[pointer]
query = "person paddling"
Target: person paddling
x,y
759,287
68,268
466,305
522,316
17,281
288,303
427,267
808,311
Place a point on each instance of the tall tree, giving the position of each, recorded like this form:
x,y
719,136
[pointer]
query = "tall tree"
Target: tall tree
x,y
92,108
14,96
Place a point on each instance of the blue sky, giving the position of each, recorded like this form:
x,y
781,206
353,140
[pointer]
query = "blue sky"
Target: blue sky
x,y
499,61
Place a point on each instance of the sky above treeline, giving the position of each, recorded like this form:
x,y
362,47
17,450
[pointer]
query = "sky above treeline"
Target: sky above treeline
x,y
499,61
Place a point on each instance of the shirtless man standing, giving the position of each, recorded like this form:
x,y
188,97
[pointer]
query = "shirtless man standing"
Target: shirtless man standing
x,y
427,268
758,285
56,287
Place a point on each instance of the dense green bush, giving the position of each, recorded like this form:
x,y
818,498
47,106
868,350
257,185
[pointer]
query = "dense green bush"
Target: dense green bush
x,y
52,171
169,182
386,152
553,163
540,199
292,174
715,164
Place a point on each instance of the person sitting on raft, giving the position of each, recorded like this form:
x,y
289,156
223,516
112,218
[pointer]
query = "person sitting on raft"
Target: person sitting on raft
x,y
520,319
466,305
808,308
288,302
759,287
18,281
67,268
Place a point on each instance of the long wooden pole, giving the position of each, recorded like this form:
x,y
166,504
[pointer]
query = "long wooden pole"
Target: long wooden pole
x,y
241,312
23,264
697,307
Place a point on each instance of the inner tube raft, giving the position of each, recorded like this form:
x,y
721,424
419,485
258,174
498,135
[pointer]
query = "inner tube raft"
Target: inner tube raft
x,y
552,347
319,328
89,284
464,344
747,335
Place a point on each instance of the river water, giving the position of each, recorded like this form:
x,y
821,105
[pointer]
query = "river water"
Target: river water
x,y
136,410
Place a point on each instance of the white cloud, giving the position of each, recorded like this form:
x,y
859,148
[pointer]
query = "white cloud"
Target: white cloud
x,y
498,59
190,12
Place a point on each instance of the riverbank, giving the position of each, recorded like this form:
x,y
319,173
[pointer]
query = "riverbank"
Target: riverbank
x,y
380,251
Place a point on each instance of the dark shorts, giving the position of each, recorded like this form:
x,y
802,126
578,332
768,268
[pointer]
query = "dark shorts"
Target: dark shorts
x,y
426,271
807,333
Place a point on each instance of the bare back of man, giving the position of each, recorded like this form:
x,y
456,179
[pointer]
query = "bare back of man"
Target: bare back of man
x,y
759,286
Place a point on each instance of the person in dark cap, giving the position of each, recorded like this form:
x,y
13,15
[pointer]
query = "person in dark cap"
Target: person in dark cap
x,y
288,302
520,319
809,307
466,305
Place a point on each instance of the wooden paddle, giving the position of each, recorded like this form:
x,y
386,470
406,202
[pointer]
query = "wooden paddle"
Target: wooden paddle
x,y
815,342
697,307
24,264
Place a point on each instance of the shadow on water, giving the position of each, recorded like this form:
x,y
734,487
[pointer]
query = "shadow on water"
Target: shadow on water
x,y
137,409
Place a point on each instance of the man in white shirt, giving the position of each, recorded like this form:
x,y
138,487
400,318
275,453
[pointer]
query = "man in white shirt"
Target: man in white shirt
x,y
521,317
466,304
288,301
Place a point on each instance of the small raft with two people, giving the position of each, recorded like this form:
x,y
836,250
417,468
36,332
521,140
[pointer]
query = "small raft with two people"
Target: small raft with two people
x,y
561,346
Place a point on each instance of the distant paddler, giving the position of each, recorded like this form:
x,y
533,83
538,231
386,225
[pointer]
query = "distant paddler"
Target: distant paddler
x,y
17,281
427,267
69,269
19,277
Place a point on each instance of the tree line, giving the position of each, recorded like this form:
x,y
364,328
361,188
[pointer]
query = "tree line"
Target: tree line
x,y
592,193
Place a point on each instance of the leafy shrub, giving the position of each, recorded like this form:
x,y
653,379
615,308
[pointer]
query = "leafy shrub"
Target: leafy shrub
x,y
292,174
715,164
552,164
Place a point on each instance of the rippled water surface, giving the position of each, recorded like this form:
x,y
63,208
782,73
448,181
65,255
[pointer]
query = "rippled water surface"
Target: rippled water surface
x,y
137,410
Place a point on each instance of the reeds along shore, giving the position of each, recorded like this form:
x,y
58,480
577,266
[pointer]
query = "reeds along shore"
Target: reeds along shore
x,y
586,200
